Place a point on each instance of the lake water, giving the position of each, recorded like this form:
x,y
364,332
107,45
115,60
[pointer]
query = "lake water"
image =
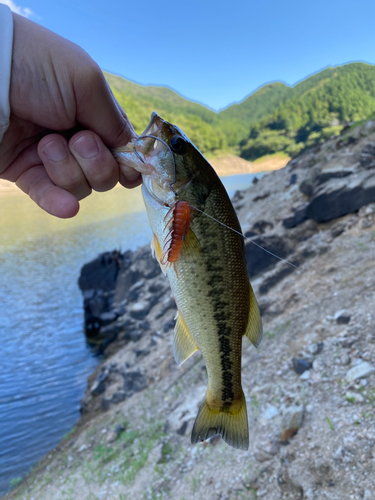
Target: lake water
x,y
44,358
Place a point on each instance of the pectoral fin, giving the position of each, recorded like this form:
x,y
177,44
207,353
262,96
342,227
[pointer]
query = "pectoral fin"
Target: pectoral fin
x,y
183,344
191,245
254,330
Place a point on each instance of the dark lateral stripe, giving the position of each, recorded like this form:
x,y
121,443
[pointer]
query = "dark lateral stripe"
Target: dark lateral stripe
x,y
223,331
217,287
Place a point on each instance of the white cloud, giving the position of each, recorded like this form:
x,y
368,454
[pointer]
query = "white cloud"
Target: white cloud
x,y
23,11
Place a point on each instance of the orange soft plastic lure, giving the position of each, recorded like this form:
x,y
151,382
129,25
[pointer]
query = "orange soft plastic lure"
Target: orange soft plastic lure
x,y
180,226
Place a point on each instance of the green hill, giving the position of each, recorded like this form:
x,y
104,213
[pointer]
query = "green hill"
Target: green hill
x,y
200,124
251,110
274,118
317,109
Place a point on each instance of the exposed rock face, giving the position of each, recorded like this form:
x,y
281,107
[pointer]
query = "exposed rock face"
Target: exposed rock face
x,y
339,197
98,282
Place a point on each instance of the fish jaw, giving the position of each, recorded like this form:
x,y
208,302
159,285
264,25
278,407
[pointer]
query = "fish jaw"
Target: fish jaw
x,y
129,156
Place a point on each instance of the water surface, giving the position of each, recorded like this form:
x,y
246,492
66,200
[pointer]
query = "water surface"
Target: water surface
x,y
44,358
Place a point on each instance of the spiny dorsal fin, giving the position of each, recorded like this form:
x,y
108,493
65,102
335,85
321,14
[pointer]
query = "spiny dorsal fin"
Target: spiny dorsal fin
x,y
183,344
254,330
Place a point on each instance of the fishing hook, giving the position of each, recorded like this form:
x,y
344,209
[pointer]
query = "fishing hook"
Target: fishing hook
x,y
173,159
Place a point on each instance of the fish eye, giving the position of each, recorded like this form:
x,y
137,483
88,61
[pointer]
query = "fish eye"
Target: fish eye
x,y
178,145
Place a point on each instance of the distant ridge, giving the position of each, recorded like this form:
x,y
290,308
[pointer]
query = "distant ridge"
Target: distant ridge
x,y
275,118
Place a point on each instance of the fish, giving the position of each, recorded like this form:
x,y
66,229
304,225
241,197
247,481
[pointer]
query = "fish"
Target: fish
x,y
198,243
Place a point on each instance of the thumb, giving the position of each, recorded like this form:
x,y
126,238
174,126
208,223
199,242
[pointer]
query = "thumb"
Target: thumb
x,y
98,110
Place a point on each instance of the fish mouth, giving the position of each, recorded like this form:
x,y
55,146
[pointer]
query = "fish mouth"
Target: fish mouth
x,y
137,152
147,154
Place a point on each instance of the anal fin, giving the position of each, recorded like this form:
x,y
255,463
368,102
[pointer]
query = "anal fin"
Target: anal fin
x,y
254,330
183,343
158,252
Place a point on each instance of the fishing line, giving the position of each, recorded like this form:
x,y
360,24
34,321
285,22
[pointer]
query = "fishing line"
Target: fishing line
x,y
245,237
174,161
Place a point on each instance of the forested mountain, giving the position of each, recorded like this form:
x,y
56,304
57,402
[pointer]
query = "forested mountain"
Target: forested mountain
x,y
261,103
200,124
274,118
314,112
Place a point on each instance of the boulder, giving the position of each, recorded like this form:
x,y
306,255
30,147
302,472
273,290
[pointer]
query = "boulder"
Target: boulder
x,y
258,259
339,197
362,369
101,273
299,216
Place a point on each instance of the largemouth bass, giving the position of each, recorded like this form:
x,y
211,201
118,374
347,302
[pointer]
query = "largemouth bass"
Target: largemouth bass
x,y
204,261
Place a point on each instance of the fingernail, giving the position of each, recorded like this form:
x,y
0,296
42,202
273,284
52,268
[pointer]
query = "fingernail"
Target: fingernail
x,y
55,150
86,146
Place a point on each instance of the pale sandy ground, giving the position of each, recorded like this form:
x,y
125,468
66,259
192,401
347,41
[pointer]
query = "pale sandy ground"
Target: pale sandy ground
x,y
224,166
234,165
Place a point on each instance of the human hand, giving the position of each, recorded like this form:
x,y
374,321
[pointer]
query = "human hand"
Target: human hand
x,y
63,119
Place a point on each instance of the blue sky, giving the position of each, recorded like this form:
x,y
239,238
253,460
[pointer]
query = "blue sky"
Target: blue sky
x,y
213,52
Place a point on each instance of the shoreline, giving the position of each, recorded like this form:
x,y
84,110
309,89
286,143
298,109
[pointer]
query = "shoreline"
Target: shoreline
x,y
224,165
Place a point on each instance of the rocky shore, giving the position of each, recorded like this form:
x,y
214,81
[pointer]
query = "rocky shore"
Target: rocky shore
x,y
310,386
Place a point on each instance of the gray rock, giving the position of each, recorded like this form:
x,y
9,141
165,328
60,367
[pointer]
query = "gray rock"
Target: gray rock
x,y
338,229
269,413
110,332
303,231
101,273
305,376
342,317
309,185
367,156
339,197
338,455
134,382
293,179
315,348
108,317
261,226
257,259
98,387
345,359
118,396
362,369
299,216
291,421
261,455
114,434
133,333
138,310
282,269
300,365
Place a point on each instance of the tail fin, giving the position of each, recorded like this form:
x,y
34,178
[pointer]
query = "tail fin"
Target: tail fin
x,y
232,425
